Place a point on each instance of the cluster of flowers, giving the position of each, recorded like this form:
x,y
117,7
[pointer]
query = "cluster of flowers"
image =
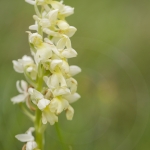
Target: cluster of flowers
x,y
51,86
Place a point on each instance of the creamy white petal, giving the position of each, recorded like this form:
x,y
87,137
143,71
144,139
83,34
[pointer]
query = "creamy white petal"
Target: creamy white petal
x,y
61,91
61,43
62,80
43,103
69,113
25,137
47,9
57,5
71,31
33,27
44,53
67,11
45,23
51,33
27,59
31,145
53,47
20,90
24,85
55,63
29,69
50,117
71,98
52,15
59,105
35,39
48,41
35,95
72,85
74,70
30,130
44,120
32,2
52,82
63,25
69,53
65,67
19,98
18,67
43,2
68,43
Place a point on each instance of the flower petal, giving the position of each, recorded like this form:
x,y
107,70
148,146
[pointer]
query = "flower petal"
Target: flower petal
x,y
51,33
71,31
50,117
18,67
61,91
35,39
63,25
55,63
57,5
33,27
67,11
32,2
61,43
24,85
72,97
69,53
31,145
43,103
19,98
45,23
44,53
52,15
20,90
69,113
72,85
24,137
35,95
74,70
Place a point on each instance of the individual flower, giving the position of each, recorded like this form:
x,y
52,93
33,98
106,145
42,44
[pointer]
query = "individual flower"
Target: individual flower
x,y
43,50
22,88
65,48
35,95
58,104
64,10
47,114
28,138
23,63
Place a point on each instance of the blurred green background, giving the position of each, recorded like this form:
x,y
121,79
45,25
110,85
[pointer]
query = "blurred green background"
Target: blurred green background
x,y
113,45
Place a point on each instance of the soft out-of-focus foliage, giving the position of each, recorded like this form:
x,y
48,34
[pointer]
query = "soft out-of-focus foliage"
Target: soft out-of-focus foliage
x,y
114,53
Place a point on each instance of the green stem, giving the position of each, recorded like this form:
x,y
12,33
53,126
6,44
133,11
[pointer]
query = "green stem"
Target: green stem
x,y
38,122
59,136
38,130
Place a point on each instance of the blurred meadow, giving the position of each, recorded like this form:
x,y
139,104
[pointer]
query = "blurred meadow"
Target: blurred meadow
x,y
113,45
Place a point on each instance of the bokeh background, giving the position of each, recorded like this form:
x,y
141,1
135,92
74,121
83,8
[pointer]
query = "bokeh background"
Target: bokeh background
x,y
113,45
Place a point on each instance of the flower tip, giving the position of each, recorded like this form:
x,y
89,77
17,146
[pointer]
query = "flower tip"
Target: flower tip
x,y
32,2
30,90
28,32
